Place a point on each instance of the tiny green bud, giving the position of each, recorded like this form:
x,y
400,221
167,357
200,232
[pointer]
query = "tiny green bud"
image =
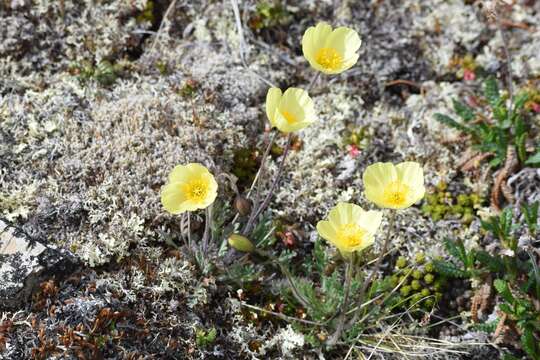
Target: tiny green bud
x,y
467,218
456,209
394,280
403,279
441,209
415,284
475,199
417,274
241,243
420,258
416,298
442,185
463,200
429,267
401,262
429,278
428,303
425,292
438,296
405,290
431,199
438,285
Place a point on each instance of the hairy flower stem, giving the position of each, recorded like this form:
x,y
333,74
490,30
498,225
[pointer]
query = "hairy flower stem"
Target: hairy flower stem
x,y
207,230
190,245
260,172
264,205
508,60
367,282
345,304
313,80
285,271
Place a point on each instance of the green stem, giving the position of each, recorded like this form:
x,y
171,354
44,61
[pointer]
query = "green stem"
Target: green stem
x,y
367,282
255,214
313,80
345,304
207,230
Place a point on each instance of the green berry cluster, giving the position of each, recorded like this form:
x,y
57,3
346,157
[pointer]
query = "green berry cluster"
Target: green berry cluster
x,y
418,281
440,204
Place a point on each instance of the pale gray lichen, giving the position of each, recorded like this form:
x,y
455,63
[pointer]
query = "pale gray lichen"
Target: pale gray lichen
x,y
82,164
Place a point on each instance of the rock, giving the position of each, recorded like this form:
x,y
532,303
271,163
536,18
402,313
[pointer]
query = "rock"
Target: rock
x,y
25,263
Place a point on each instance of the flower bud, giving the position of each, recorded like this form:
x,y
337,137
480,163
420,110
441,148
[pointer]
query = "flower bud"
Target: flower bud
x,y
242,205
241,243
401,262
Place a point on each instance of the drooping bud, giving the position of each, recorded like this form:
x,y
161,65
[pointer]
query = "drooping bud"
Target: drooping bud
x,y
242,205
241,243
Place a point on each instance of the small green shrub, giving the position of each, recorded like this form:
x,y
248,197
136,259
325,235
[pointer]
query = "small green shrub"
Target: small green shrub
x,y
494,127
515,270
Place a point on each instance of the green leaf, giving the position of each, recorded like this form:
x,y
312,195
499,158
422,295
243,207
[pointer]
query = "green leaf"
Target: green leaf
x,y
464,112
447,120
506,308
520,146
504,290
456,249
491,225
448,269
520,100
491,91
494,264
530,213
496,162
319,256
505,221
529,343
533,159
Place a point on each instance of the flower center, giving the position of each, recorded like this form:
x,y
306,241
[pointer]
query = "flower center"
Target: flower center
x,y
351,235
329,58
196,190
289,117
396,193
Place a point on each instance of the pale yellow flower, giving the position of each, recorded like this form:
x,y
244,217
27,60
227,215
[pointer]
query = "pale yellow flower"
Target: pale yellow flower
x,y
289,111
349,227
330,52
394,187
190,187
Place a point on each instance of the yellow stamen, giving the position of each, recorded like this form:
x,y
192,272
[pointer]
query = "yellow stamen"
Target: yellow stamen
x,y
329,58
196,190
396,193
289,117
351,235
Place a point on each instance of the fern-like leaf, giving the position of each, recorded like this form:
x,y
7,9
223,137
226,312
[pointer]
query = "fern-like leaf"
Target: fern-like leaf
x,y
491,91
464,111
447,120
502,288
448,269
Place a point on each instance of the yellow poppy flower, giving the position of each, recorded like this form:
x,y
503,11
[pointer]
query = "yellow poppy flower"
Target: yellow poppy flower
x,y
289,111
190,187
330,51
349,227
394,187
